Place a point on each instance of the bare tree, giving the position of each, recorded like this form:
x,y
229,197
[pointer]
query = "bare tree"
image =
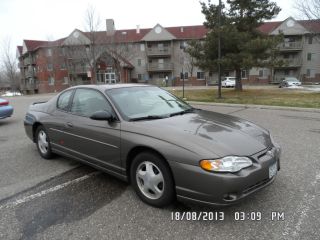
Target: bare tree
x,y
121,50
92,25
190,59
309,9
9,65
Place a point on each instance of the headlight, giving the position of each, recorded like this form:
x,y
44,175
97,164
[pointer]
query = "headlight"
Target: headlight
x,y
274,143
227,164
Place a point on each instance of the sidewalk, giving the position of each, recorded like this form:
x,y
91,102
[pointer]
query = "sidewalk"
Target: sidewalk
x,y
314,110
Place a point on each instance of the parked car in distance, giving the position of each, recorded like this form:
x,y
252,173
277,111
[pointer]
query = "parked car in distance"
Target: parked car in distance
x,y
228,82
11,94
160,144
289,82
5,109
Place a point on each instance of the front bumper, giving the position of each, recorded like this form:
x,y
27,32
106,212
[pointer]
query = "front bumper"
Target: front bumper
x,y
221,189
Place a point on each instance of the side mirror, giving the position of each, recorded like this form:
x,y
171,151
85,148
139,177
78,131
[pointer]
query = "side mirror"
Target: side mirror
x,y
102,115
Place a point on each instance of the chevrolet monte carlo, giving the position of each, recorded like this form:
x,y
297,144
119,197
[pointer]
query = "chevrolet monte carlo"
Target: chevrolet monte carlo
x,y
160,144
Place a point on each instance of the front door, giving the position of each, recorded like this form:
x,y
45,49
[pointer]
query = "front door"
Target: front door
x,y
110,78
94,140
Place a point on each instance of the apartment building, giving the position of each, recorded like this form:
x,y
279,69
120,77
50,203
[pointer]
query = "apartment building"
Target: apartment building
x,y
155,56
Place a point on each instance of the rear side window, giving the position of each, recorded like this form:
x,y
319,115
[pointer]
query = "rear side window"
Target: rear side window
x,y
63,100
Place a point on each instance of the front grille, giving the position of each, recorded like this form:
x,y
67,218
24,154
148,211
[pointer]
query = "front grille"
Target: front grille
x,y
255,186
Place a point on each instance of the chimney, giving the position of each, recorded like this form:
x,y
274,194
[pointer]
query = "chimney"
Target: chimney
x,y
181,29
138,29
110,26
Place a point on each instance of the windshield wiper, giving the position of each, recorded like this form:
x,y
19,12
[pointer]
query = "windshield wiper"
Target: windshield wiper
x,y
149,117
190,110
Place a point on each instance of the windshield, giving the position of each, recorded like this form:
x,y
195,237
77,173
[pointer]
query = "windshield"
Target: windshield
x,y
144,102
292,80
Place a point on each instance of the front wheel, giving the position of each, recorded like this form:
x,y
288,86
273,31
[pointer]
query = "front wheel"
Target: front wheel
x,y
152,180
43,143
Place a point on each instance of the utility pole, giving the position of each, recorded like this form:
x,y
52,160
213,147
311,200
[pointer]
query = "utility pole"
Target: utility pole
x,y
219,52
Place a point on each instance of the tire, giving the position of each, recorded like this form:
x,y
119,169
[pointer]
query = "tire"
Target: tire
x,y
151,179
43,143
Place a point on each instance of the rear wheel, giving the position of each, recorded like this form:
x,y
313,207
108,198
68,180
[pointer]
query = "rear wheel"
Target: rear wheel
x,y
43,143
152,180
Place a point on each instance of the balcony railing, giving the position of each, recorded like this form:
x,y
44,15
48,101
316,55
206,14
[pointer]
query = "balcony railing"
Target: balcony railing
x,y
28,61
30,74
292,62
168,66
30,85
155,51
290,46
78,69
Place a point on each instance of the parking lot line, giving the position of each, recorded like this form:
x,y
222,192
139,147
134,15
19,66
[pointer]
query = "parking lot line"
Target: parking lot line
x,y
46,191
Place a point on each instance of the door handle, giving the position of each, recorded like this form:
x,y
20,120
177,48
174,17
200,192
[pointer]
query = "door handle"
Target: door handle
x,y
69,124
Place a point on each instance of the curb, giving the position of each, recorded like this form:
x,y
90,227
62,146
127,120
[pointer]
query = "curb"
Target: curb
x,y
252,106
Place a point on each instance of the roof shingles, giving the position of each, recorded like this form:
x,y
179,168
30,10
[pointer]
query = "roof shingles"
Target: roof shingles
x,y
181,32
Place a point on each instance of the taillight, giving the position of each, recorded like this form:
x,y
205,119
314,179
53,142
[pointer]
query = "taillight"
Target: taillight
x,y
5,103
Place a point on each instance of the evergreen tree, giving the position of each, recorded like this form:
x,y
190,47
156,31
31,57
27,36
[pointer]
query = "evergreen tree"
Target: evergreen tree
x,y
242,45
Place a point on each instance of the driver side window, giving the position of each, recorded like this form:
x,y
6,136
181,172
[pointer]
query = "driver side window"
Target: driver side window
x,y
88,101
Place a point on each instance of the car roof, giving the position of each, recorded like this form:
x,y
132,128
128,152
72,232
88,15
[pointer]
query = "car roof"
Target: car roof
x,y
103,87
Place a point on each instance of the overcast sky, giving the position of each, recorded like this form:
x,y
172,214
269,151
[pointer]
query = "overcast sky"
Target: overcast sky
x,y
44,19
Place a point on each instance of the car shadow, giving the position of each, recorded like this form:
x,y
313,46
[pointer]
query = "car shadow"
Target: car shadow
x,y
7,121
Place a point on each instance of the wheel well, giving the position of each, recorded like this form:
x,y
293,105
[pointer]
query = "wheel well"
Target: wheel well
x,y
34,129
135,151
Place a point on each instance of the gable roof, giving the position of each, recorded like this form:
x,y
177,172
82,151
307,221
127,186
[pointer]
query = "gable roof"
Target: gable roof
x,y
33,44
19,49
179,32
311,25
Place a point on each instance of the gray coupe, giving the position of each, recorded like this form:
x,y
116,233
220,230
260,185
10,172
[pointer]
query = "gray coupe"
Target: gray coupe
x,y
160,144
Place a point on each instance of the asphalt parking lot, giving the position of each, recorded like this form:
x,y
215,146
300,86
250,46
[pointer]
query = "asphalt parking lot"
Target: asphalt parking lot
x,y
61,199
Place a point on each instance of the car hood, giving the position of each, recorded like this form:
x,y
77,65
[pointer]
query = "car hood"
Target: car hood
x,y
212,132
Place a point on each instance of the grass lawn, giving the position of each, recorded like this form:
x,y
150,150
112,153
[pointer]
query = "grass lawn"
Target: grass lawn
x,y
275,97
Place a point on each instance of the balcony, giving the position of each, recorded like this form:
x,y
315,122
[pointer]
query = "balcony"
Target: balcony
x,y
291,63
290,46
28,61
160,67
156,51
78,69
30,74
30,86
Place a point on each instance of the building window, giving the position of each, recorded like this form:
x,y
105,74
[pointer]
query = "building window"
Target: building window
x,y
263,73
311,73
49,52
309,56
200,75
62,51
183,44
63,66
310,38
260,73
51,81
186,75
243,73
50,67
142,47
65,81
140,76
139,62
308,72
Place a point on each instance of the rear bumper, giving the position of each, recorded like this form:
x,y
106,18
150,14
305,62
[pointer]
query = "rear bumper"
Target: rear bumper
x,y
221,189
6,111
